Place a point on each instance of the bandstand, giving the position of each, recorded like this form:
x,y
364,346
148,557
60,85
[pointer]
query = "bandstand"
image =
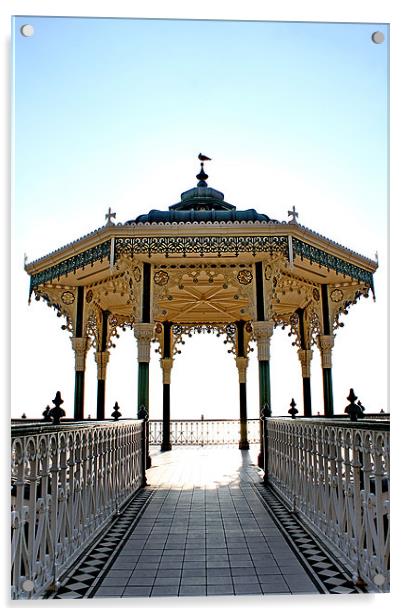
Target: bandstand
x,y
80,486
202,265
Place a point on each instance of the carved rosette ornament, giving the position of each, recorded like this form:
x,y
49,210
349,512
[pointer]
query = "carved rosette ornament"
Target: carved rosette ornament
x,y
80,346
144,333
305,356
242,363
101,358
263,331
325,344
166,366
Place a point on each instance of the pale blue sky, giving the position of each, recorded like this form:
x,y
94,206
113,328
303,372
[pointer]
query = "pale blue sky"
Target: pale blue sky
x,y
114,112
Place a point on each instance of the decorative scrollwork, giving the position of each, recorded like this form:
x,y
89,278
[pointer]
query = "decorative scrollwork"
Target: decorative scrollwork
x,y
54,296
342,299
180,330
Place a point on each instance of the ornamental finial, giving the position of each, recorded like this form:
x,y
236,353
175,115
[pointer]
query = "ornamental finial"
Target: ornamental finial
x,y
202,176
355,411
109,217
293,411
116,413
294,215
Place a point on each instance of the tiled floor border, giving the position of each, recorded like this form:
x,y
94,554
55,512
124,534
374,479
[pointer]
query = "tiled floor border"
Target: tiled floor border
x,y
315,558
85,575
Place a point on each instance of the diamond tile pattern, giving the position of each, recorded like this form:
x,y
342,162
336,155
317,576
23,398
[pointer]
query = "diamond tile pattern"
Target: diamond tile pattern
x,y
205,525
77,582
325,570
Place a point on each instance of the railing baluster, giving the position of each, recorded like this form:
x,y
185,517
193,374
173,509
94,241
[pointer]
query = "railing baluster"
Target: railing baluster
x,y
337,478
64,492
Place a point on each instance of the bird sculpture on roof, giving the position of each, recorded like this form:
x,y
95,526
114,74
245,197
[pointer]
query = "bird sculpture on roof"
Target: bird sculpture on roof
x,y
203,157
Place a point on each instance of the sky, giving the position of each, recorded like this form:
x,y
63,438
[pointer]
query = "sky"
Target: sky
x,y
113,112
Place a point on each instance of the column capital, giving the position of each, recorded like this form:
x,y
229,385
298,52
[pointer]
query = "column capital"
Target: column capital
x,y
101,358
80,346
305,356
241,364
325,344
166,366
263,331
144,333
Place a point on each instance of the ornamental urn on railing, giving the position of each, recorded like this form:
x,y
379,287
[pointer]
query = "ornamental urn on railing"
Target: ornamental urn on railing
x,y
142,413
46,416
265,411
57,412
355,411
116,413
293,411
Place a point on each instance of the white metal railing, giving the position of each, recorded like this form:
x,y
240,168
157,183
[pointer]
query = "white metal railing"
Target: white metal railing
x,y
203,431
68,481
336,476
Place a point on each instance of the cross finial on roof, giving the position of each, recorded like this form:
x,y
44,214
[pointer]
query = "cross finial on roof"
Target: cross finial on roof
x,y
109,217
294,215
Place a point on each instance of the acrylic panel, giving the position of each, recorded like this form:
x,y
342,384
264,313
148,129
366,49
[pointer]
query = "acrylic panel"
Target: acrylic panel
x,y
214,191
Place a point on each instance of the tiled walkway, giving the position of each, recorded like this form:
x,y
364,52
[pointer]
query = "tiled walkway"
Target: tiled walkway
x,y
204,531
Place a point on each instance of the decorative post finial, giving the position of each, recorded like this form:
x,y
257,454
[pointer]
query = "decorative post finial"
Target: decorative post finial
x,y
46,414
142,413
293,411
355,411
265,411
294,215
109,217
202,176
116,413
57,412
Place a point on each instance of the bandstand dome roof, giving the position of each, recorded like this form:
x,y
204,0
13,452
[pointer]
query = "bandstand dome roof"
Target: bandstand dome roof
x,y
201,204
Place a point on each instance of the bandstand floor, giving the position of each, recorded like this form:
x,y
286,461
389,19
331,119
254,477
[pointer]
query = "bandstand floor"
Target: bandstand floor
x,y
204,525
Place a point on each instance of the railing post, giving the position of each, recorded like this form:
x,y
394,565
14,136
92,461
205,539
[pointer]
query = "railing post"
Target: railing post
x,y
143,415
265,413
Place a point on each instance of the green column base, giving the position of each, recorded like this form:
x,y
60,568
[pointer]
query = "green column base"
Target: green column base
x,y
306,388
243,442
79,396
328,392
100,404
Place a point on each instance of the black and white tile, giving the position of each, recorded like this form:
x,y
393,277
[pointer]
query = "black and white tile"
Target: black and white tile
x,y
328,575
82,577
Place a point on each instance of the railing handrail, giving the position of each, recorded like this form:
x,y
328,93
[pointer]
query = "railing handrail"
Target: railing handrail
x,y
42,427
342,421
234,420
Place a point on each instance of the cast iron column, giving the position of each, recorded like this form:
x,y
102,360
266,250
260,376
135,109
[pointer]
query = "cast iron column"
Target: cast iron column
x,y
325,343
241,363
166,365
102,357
262,333
80,345
305,356
144,333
